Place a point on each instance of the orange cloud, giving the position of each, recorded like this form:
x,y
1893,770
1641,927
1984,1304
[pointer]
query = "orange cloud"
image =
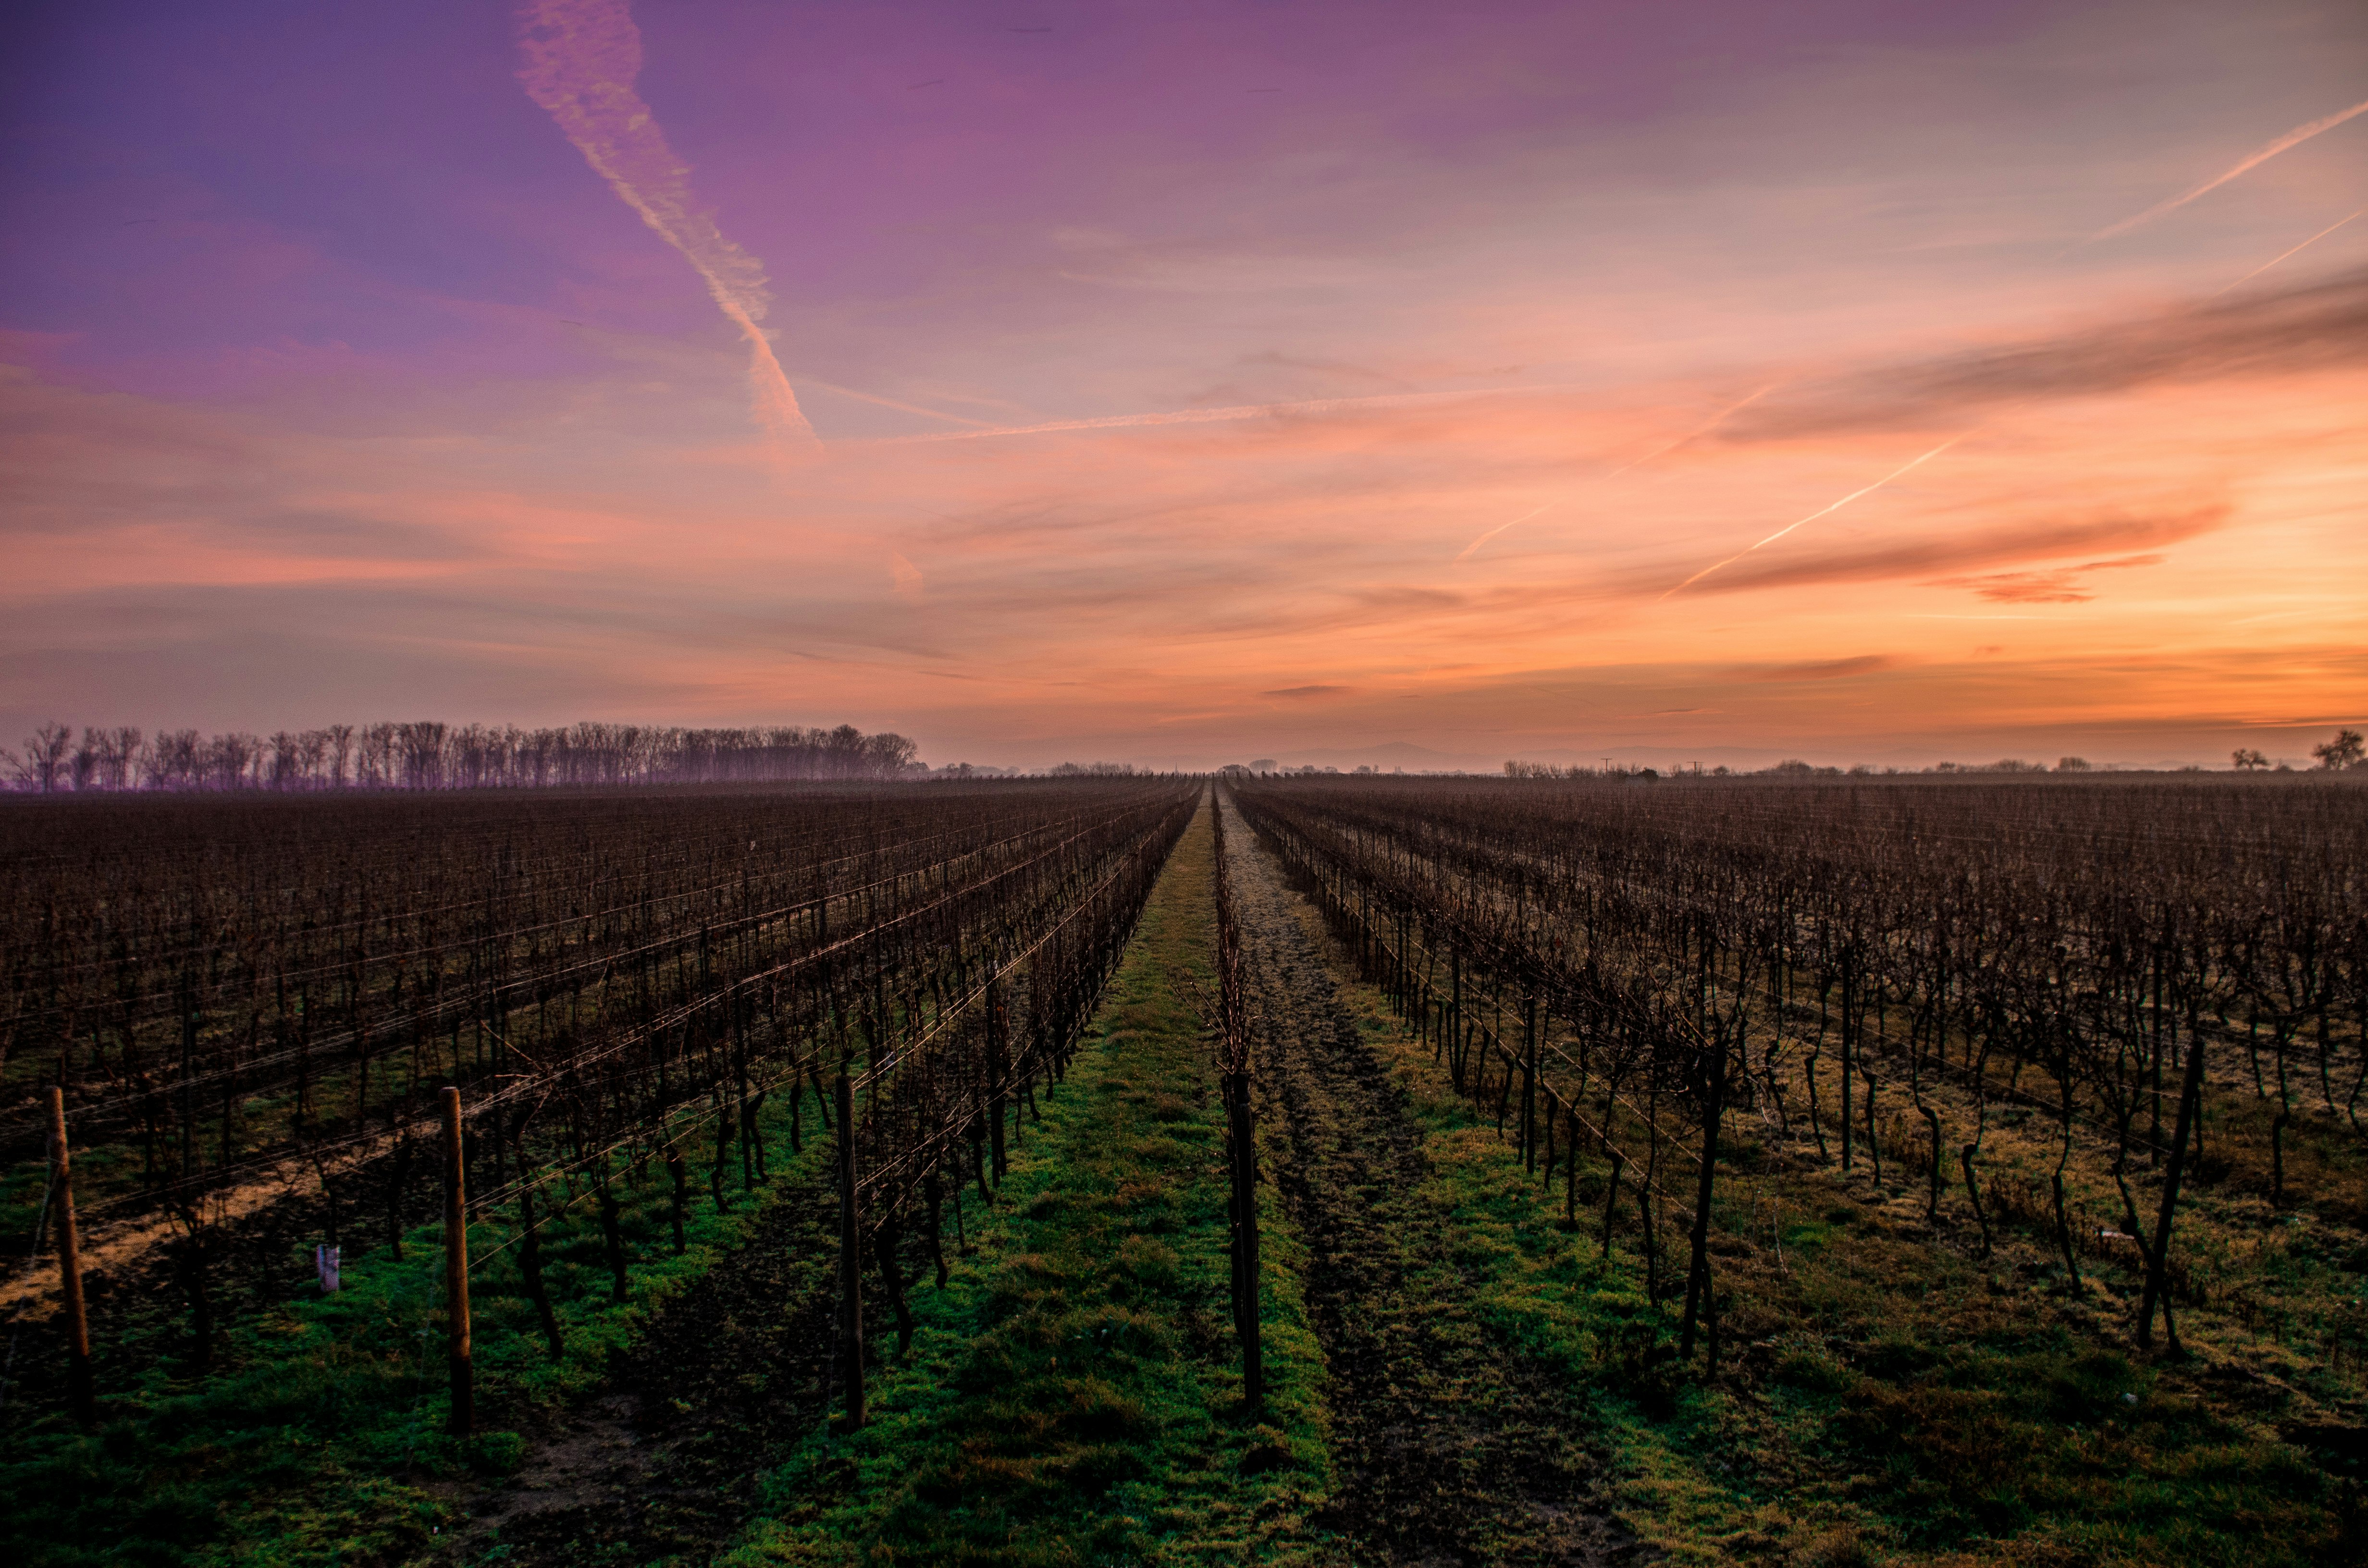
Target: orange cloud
x,y
1820,669
2062,585
2037,540
2295,330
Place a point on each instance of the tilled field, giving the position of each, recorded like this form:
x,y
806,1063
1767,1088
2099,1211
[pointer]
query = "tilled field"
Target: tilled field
x,y
1451,1446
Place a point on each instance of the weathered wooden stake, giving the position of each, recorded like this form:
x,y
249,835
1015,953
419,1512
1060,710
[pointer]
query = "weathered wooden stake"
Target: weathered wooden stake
x,y
1610,1197
456,1268
1456,1015
1570,1170
675,1175
994,1067
1698,1283
850,1261
1528,1083
79,1380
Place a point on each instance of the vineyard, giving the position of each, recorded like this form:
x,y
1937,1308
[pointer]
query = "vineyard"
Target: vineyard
x,y
1912,1107
252,1009
1308,1170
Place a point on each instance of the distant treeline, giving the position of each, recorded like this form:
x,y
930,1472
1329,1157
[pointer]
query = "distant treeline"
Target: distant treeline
x,y
430,755
1792,768
2347,751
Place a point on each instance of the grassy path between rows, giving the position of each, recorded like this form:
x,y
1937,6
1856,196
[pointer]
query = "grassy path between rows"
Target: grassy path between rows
x,y
1073,1394
1452,1442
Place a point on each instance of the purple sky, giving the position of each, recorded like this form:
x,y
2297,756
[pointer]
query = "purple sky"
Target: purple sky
x,y
338,385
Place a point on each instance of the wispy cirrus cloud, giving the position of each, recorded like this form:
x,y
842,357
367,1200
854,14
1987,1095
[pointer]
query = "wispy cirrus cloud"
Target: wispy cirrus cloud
x,y
1944,558
2062,585
2306,327
1819,669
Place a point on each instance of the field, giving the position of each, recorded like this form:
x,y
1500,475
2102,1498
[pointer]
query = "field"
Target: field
x,y
1527,1171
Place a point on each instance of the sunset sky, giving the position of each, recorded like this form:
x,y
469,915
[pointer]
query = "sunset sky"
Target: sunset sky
x,y
1186,383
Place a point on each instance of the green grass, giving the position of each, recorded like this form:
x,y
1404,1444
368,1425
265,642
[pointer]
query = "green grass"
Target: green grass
x,y
1073,1396
1883,1399
319,1438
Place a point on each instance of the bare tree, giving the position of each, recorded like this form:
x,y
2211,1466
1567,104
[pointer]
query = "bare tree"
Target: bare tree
x,y
2344,750
45,757
311,748
84,767
173,759
373,765
229,758
286,769
125,745
422,747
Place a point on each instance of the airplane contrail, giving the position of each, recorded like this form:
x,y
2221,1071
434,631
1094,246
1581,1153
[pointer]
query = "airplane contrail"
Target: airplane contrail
x,y
1825,511
892,403
1501,528
1665,448
1704,428
1221,415
2298,135
2283,255
581,57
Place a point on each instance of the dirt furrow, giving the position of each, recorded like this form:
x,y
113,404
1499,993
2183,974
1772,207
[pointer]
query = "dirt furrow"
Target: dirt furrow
x,y
1453,1446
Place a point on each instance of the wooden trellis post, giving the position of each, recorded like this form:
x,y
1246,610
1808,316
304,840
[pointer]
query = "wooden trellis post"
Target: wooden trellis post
x,y
850,1262
1530,1082
78,1379
995,1065
456,1269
